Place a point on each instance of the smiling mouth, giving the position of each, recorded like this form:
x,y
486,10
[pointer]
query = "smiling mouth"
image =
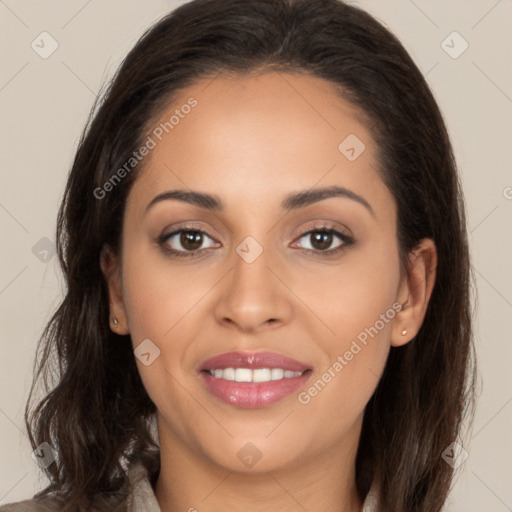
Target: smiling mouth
x,y
250,380
247,388
256,375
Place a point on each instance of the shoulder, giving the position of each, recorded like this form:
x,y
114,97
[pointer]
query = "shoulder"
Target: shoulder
x,y
31,505
140,497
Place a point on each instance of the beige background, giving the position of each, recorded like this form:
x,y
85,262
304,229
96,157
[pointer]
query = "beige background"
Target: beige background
x,y
44,104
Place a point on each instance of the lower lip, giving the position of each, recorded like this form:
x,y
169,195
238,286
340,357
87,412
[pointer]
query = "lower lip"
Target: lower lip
x,y
253,395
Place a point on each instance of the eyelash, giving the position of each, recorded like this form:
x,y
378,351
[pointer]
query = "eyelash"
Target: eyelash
x,y
324,229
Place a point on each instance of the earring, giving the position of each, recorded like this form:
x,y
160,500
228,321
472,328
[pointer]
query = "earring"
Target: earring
x,y
404,332
116,323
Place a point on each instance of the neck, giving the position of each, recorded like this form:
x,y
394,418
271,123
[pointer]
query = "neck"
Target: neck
x,y
189,481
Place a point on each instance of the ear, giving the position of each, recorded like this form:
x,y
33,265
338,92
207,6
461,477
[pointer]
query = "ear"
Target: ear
x,y
415,291
111,268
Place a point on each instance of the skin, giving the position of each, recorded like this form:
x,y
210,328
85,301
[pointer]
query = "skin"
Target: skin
x,y
251,141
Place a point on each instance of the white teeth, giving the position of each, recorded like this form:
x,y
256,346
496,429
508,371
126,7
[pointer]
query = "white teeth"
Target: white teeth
x,y
277,373
243,375
228,374
257,375
261,375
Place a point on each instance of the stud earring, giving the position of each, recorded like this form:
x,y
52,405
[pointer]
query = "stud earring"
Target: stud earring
x,y
404,332
116,323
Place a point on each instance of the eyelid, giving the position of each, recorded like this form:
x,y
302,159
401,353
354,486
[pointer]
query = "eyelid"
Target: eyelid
x,y
329,226
326,225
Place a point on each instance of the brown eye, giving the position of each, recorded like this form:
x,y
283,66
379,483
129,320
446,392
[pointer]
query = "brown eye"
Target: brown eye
x,y
191,240
321,240
186,242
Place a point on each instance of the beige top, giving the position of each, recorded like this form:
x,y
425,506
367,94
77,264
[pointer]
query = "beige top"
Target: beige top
x,y
142,498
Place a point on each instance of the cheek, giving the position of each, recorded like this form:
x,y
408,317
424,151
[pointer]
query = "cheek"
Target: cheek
x,y
349,297
159,295
353,319
161,301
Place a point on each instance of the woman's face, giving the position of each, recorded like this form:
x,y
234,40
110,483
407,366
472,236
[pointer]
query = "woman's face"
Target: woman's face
x,y
255,274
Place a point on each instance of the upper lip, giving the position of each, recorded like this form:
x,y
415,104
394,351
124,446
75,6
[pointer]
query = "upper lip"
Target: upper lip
x,y
253,360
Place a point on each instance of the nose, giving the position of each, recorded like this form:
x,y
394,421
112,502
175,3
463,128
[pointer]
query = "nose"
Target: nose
x,y
254,296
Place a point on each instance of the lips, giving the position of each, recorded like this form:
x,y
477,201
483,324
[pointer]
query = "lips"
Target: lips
x,y
224,376
253,360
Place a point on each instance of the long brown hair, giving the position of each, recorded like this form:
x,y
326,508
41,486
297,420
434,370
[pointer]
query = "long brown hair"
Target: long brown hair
x,y
96,412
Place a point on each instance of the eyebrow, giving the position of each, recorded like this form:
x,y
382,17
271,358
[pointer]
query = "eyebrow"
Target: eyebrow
x,y
292,201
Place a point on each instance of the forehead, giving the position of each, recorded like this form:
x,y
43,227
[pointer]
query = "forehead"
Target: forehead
x,y
258,134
